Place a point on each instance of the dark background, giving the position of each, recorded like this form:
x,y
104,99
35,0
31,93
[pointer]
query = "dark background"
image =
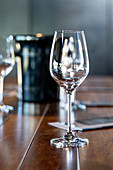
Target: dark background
x,y
46,16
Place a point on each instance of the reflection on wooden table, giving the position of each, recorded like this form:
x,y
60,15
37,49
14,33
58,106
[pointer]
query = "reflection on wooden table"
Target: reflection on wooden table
x,y
25,136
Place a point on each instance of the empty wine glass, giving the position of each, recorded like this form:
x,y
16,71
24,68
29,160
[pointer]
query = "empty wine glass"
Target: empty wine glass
x,y
69,66
7,61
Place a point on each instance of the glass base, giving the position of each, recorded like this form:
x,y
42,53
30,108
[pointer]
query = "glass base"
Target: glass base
x,y
78,105
75,106
63,143
6,108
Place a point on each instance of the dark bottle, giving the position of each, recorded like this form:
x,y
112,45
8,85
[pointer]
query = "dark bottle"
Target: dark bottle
x,y
37,83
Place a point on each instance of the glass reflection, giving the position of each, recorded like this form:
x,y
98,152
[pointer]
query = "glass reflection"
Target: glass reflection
x,y
72,158
26,108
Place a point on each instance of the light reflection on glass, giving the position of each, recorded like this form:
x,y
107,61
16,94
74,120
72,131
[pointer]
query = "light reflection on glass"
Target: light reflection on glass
x,y
18,47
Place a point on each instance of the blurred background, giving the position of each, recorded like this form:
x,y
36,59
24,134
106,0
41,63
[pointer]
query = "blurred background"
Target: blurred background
x,y
46,16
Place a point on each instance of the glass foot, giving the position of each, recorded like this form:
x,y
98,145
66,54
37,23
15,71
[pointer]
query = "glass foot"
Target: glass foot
x,y
6,108
63,143
75,106
9,107
78,105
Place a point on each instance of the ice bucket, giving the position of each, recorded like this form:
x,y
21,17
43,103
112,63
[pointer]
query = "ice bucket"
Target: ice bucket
x,y
34,79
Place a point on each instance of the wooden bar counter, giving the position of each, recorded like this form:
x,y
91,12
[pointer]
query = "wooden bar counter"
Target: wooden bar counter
x,y
25,136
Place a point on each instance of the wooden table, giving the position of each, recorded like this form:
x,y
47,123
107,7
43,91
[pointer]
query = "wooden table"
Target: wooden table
x,y
25,136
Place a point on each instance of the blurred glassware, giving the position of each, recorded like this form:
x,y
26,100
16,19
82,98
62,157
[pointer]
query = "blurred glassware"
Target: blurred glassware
x,y
7,61
75,103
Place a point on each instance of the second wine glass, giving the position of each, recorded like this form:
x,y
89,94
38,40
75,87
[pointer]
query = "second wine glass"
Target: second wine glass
x,y
69,66
7,61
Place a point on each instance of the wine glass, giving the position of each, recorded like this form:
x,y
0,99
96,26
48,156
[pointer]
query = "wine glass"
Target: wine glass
x,y
69,66
7,61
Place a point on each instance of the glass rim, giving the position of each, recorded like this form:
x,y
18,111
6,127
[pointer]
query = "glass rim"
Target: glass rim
x,y
69,31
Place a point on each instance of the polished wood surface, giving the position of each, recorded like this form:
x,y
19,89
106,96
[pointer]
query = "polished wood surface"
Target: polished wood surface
x,y
25,136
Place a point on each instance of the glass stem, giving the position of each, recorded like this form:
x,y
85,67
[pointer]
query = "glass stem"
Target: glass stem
x,y
75,102
1,89
69,113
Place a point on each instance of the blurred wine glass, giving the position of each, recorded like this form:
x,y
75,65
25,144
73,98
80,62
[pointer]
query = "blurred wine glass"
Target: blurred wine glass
x,y
69,66
7,61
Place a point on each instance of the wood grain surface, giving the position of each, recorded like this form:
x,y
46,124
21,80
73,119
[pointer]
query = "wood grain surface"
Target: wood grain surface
x,y
25,138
